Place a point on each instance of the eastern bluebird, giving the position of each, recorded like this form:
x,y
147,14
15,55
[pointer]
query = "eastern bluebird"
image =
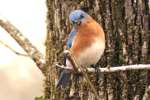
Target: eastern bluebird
x,y
86,43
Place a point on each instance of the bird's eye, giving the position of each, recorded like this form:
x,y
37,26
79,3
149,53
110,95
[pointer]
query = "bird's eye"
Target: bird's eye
x,y
81,16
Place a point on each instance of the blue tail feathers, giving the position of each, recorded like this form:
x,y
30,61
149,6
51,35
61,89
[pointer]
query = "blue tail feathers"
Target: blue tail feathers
x,y
64,80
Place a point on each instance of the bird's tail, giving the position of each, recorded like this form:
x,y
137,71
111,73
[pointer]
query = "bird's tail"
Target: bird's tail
x,y
64,80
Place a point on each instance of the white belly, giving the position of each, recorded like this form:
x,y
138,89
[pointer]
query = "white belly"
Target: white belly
x,y
92,54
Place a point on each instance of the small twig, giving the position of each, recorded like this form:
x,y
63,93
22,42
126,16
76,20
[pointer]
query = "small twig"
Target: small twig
x,y
63,67
13,49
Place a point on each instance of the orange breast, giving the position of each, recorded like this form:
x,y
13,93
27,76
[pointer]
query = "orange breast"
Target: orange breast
x,y
87,33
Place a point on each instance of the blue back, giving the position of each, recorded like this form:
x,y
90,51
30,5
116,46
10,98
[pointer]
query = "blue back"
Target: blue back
x,y
70,38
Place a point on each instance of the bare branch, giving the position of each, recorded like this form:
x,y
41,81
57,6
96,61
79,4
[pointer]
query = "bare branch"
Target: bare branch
x,y
31,50
113,69
83,70
13,49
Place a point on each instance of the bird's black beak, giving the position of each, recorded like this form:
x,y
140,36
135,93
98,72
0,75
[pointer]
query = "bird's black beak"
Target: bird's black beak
x,y
79,22
76,23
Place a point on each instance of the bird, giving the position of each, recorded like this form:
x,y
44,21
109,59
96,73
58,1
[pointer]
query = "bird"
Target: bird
x,y
86,42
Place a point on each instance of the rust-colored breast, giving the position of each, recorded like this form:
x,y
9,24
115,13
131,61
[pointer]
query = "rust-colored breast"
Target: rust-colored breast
x,y
87,33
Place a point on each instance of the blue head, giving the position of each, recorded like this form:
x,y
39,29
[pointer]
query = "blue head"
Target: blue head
x,y
77,16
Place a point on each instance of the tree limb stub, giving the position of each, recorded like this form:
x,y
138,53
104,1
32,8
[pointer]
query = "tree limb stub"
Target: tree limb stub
x,y
29,48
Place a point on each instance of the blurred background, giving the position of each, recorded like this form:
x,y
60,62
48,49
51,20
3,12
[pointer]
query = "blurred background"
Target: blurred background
x,y
20,79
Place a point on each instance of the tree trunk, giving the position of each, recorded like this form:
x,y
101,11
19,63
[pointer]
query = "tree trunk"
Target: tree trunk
x,y
126,24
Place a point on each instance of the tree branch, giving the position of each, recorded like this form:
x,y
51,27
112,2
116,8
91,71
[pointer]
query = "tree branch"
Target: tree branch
x,y
13,49
83,70
113,69
31,50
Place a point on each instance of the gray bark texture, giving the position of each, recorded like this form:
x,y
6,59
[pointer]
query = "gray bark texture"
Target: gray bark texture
x,y
127,29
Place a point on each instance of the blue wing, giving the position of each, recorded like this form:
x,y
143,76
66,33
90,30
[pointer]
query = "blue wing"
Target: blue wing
x,y
71,37
65,75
